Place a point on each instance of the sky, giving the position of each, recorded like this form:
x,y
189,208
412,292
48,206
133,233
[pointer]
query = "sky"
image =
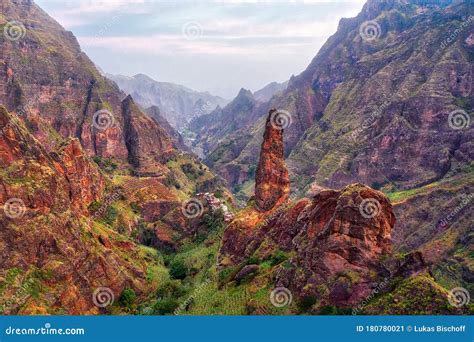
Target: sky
x,y
216,46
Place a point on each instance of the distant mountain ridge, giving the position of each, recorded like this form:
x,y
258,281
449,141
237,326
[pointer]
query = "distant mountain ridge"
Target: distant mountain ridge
x,y
267,92
178,104
389,81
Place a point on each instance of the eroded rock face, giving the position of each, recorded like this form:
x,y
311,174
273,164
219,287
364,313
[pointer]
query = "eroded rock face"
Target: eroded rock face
x,y
272,183
55,85
147,143
86,182
46,231
336,239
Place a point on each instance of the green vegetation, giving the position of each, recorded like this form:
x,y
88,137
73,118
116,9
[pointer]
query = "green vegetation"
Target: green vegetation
x,y
419,295
127,298
106,164
333,310
178,269
171,181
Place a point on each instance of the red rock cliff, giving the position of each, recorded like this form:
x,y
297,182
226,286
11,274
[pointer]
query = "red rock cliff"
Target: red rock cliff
x,y
272,183
336,240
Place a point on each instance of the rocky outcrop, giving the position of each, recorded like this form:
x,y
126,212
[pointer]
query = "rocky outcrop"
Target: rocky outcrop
x,y
44,233
272,183
86,182
337,240
148,145
177,139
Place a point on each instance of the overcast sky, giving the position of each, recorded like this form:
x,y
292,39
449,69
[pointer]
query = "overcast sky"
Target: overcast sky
x,y
218,46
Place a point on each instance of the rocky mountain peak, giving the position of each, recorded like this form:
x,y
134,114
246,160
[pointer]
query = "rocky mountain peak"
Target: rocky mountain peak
x,y
272,181
244,93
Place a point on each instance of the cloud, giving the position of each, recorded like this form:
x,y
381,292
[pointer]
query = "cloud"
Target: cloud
x,y
239,44
172,45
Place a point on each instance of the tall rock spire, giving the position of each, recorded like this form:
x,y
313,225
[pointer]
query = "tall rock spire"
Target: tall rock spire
x,y
272,183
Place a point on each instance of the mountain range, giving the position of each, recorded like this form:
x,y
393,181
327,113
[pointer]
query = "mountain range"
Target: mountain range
x,y
344,191
178,103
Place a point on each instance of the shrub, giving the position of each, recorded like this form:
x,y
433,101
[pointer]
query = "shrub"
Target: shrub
x,y
94,207
214,220
127,298
333,310
253,260
110,215
178,269
106,164
171,180
278,257
306,303
190,171
173,289
165,306
328,310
